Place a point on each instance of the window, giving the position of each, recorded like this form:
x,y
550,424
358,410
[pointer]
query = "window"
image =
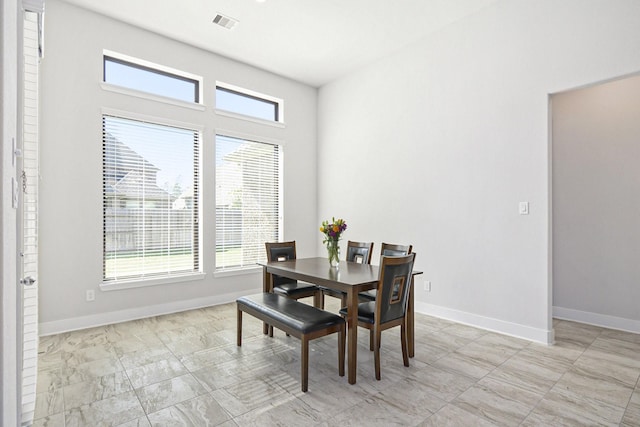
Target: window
x,y
248,200
248,103
150,200
152,78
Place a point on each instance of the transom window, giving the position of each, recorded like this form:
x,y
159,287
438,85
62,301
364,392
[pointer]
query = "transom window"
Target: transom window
x,y
151,78
151,200
248,103
248,200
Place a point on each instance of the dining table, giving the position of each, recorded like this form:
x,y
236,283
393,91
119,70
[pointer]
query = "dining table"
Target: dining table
x,y
348,277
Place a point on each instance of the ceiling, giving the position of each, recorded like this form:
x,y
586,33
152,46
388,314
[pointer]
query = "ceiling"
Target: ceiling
x,y
312,41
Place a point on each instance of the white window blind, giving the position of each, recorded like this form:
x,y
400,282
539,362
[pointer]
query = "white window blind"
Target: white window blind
x,y
29,231
150,200
248,200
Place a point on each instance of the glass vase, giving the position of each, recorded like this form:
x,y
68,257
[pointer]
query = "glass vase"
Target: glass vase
x,y
333,252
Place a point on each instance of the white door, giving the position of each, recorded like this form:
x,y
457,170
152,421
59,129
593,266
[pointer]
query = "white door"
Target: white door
x,y
28,170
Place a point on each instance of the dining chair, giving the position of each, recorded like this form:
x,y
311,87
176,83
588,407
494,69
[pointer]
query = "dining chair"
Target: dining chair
x,y
387,249
358,252
290,288
390,307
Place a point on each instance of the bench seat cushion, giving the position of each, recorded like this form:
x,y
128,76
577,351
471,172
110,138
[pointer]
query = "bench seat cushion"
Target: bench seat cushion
x,y
299,316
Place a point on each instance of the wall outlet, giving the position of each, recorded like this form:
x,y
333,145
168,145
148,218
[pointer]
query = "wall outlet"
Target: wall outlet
x,y
427,286
91,295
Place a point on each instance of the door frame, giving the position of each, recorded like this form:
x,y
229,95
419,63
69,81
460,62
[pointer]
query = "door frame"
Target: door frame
x,y
10,389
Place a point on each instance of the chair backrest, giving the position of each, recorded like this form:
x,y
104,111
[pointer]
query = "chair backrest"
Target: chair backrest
x,y
281,251
359,252
389,249
393,287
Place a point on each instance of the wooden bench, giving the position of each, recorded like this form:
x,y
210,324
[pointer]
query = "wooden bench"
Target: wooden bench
x,y
300,320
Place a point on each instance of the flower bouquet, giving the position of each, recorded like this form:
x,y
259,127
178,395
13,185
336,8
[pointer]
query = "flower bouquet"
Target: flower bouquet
x,y
332,232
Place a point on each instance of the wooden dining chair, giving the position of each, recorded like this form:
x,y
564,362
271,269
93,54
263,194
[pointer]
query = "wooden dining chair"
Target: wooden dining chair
x,y
290,288
387,249
358,252
390,307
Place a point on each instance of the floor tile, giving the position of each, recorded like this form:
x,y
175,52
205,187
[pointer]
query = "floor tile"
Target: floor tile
x,y
453,416
113,411
202,411
99,388
169,392
56,420
498,402
156,371
49,403
595,385
561,407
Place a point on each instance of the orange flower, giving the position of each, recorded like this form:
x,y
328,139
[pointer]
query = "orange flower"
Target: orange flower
x,y
336,228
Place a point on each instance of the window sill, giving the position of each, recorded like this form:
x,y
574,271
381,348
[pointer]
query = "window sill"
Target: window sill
x,y
145,95
141,283
238,272
249,118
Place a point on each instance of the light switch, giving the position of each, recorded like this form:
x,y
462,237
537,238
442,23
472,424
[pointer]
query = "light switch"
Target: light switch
x,y
523,208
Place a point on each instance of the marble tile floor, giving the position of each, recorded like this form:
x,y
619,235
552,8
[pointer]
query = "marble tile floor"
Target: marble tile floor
x,y
185,369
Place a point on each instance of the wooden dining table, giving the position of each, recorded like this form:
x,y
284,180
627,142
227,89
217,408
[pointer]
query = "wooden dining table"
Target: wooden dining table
x,y
350,278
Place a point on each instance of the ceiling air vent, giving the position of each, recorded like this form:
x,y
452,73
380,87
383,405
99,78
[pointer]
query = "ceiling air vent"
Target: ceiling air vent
x,y
225,21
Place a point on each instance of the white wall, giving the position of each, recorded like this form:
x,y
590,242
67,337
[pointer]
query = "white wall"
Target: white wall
x,y
437,145
596,204
71,156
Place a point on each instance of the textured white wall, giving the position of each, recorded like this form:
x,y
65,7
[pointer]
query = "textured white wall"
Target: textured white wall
x,y
437,145
596,202
71,201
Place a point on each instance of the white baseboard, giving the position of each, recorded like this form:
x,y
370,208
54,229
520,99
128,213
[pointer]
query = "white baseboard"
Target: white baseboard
x,y
495,325
100,319
603,320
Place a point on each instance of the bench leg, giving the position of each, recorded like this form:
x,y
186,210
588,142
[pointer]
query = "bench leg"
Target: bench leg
x,y
342,338
304,364
239,328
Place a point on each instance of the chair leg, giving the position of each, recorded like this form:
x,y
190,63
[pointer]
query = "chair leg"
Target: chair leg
x,y
405,348
239,328
343,300
376,353
371,343
304,364
270,331
342,338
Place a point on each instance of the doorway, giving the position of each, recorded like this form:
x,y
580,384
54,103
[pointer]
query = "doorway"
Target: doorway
x,y
596,204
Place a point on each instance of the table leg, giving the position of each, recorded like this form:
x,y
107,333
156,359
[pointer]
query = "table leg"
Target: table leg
x,y
410,321
266,287
352,329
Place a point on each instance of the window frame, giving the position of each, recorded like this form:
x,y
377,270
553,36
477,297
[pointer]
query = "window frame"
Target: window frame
x,y
250,94
153,280
154,68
